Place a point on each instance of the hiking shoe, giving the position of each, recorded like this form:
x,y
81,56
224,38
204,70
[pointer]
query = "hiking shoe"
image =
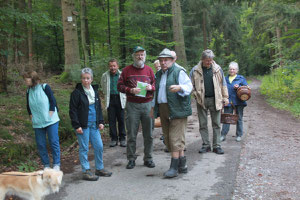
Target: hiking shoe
x,y
123,143
103,172
89,176
113,143
218,150
205,149
238,138
131,164
222,138
149,164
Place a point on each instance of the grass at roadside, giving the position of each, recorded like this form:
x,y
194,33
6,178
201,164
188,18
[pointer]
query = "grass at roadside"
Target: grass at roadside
x,y
282,88
17,143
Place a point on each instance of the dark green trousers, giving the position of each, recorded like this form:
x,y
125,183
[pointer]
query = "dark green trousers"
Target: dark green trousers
x,y
137,113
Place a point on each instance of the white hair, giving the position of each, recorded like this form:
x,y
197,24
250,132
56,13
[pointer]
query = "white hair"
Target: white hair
x,y
87,71
156,62
234,65
207,54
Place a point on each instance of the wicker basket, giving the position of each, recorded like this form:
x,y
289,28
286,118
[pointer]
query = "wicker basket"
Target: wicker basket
x,y
228,118
244,93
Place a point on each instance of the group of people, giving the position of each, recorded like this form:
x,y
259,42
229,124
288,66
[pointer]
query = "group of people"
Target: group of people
x,y
135,97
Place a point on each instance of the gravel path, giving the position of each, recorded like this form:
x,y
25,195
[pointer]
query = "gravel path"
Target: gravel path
x,y
270,160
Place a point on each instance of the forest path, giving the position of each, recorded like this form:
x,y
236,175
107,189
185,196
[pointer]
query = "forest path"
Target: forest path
x,y
210,176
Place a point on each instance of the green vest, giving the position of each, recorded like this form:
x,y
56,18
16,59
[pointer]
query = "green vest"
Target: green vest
x,y
179,107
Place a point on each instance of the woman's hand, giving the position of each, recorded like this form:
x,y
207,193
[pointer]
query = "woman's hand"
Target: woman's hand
x,y
79,130
101,126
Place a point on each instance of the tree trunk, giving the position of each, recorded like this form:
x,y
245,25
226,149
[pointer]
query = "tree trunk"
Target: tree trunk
x,y
23,45
30,49
178,32
83,32
278,35
3,54
108,28
204,29
72,58
122,33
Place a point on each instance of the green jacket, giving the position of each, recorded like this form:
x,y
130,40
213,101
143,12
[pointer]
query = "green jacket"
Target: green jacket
x,y
179,107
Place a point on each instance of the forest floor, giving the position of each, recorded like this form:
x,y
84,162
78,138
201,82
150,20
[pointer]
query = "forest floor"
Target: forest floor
x,y
262,166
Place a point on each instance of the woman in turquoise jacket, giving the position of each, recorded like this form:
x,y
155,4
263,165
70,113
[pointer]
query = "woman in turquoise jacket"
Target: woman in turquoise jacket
x,y
234,81
42,108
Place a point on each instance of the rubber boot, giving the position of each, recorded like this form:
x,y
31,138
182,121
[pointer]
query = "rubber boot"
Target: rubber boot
x,y
182,167
173,171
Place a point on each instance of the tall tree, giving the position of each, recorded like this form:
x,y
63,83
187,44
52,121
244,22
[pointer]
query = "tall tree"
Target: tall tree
x,y
108,29
122,32
3,50
30,48
72,58
83,30
178,32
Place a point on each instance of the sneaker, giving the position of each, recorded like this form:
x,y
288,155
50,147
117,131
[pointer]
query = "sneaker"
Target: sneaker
x,y
218,150
56,167
222,138
162,137
238,138
123,143
113,143
149,164
89,176
46,168
103,172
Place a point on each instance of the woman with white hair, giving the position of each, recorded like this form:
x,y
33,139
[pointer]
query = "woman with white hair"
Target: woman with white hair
x,y
234,81
87,119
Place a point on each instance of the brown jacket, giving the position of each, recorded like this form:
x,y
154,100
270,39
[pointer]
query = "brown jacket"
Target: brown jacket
x,y
220,86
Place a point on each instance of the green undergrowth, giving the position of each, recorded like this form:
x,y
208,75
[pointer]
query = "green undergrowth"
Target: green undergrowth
x,y
17,143
282,88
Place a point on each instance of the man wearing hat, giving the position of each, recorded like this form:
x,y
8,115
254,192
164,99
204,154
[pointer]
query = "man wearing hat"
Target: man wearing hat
x,y
138,106
173,88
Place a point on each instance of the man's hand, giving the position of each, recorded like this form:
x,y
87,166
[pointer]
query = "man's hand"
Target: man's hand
x,y
225,102
51,113
174,88
79,130
135,90
101,126
236,86
149,87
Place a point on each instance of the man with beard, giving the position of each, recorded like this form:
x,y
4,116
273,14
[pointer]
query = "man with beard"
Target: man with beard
x,y
138,106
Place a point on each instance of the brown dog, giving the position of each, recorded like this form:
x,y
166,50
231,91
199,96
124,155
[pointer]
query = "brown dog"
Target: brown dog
x,y
32,186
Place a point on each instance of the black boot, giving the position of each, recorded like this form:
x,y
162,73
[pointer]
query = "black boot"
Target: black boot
x,y
182,167
173,171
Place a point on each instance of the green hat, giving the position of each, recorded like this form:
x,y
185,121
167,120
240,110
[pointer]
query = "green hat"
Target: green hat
x,y
138,48
166,53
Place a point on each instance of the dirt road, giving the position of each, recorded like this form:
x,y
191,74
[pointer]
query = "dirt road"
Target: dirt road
x,y
266,169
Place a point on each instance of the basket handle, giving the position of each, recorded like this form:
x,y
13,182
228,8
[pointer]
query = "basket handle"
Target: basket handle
x,y
234,108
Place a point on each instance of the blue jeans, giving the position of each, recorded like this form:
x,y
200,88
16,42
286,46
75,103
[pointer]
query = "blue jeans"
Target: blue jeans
x,y
92,134
40,137
239,125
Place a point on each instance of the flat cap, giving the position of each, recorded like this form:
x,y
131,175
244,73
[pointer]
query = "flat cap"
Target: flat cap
x,y
166,53
138,48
